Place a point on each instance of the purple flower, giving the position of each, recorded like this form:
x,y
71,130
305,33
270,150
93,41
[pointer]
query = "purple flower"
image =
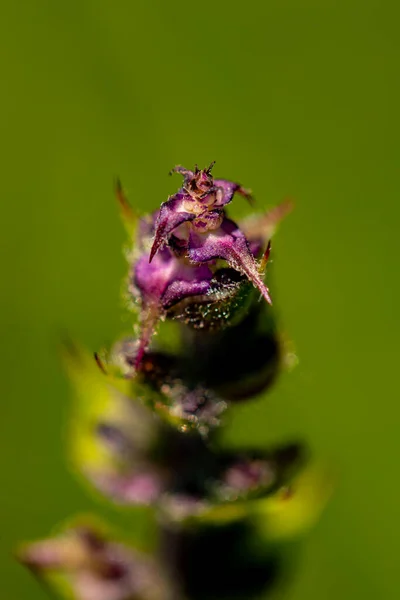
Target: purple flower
x,y
194,220
203,296
162,284
175,262
93,567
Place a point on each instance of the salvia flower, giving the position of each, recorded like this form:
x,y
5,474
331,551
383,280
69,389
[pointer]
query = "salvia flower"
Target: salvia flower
x,y
194,220
176,266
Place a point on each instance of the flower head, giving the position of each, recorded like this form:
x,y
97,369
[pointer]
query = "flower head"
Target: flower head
x,y
194,220
176,269
199,201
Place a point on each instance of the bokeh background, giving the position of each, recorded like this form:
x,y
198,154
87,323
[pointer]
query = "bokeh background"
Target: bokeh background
x,y
294,99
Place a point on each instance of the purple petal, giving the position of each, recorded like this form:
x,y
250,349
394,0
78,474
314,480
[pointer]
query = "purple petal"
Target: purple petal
x,y
228,189
186,173
188,281
228,243
172,214
197,182
151,280
178,290
161,284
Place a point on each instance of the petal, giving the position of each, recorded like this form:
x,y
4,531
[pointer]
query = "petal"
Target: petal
x,y
179,290
151,279
230,244
163,283
188,281
226,302
228,189
172,213
187,174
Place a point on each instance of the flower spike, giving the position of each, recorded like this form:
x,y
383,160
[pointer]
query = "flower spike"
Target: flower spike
x,y
145,420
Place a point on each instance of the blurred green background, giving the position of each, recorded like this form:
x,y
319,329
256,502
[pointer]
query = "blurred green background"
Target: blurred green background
x,y
292,98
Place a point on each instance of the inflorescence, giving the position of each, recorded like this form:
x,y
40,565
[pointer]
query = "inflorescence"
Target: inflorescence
x,y
146,422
